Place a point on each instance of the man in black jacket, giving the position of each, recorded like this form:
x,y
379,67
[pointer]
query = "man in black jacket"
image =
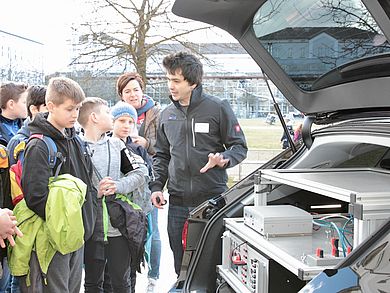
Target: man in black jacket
x,y
197,139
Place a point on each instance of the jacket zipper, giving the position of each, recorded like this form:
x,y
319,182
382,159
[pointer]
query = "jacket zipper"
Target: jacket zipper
x,y
188,145
193,132
193,145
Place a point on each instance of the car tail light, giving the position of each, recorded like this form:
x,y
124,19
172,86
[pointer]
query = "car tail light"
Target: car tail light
x,y
184,235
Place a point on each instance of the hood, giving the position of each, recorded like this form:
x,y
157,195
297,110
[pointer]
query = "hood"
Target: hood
x,y
103,140
40,125
324,56
24,130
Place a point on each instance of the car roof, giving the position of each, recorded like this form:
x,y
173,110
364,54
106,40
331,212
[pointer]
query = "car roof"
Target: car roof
x,y
359,78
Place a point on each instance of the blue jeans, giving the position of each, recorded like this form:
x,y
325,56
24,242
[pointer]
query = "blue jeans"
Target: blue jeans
x,y
5,281
155,252
15,284
177,216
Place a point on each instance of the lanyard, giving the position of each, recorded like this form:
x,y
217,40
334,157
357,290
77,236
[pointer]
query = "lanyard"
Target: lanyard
x,y
98,175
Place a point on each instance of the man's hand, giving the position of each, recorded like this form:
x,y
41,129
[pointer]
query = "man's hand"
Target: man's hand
x,y
214,160
8,227
7,223
158,200
11,238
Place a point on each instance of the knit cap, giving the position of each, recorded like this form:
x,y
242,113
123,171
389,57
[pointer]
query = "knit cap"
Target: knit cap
x,y
122,109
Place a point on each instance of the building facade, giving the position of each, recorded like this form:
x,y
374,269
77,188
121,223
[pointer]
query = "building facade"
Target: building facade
x,y
230,73
21,59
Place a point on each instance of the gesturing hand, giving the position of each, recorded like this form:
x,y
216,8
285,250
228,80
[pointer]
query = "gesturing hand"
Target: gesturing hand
x,y
214,160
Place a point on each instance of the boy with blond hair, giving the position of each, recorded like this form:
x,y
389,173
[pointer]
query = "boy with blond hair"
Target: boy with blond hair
x,y
63,100
117,171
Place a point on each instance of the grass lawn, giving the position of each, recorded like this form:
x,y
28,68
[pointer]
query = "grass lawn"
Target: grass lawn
x,y
260,135
263,144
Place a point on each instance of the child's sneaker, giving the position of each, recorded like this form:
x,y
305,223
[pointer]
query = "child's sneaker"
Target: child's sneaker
x,y
152,283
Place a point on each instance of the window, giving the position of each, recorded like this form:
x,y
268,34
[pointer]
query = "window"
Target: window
x,y
289,53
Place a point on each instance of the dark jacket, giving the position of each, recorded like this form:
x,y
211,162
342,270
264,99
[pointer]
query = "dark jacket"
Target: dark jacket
x,y
36,170
5,126
132,224
22,135
142,152
184,141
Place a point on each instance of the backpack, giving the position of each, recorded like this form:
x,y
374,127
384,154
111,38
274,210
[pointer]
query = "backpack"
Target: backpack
x,y
131,221
5,200
65,224
15,171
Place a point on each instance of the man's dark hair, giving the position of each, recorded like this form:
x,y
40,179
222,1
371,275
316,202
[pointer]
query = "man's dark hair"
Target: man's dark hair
x,y
189,65
36,97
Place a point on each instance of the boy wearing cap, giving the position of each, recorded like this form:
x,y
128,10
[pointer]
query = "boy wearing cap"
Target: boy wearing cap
x,y
116,171
125,119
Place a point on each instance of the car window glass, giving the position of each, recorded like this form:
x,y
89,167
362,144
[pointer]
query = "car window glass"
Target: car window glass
x,y
347,155
313,39
365,156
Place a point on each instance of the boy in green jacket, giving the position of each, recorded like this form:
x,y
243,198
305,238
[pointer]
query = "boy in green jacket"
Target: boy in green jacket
x,y
63,101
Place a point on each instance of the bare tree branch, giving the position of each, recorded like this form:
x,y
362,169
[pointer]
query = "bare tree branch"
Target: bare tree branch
x,y
128,33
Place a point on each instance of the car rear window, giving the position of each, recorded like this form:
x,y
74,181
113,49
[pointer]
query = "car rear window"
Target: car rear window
x,y
313,39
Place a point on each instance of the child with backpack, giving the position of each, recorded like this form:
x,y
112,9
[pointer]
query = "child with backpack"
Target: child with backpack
x,y
35,103
125,119
63,100
13,111
117,171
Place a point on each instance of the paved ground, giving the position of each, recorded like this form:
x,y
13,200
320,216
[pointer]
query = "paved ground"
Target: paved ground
x,y
167,272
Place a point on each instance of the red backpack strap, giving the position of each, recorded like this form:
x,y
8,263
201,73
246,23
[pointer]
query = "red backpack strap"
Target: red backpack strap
x,y
36,135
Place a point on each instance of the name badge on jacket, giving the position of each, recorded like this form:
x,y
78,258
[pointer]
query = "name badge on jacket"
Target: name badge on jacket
x,y
202,127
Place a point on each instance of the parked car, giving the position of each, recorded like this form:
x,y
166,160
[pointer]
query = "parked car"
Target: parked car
x,y
331,60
